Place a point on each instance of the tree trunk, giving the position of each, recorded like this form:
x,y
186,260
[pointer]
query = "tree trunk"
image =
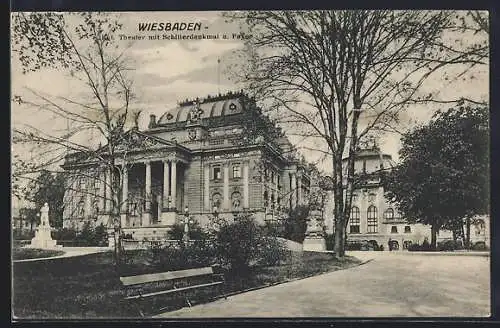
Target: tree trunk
x,y
467,237
339,247
118,245
434,232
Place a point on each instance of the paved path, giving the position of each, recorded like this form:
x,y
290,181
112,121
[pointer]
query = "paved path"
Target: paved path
x,y
392,284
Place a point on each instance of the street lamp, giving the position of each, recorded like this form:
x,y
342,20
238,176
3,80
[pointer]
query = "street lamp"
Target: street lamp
x,y
187,221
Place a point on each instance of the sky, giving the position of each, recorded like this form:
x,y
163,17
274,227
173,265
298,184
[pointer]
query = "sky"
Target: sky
x,y
168,71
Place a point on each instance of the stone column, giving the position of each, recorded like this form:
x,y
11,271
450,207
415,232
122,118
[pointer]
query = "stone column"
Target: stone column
x,y
299,190
124,195
87,195
294,190
206,176
226,186
148,193
245,186
166,183
109,200
173,191
102,191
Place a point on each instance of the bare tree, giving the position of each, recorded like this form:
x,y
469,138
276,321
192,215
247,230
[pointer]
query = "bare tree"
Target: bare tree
x,y
81,45
335,77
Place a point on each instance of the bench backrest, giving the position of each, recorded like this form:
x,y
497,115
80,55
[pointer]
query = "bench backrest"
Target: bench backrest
x,y
163,276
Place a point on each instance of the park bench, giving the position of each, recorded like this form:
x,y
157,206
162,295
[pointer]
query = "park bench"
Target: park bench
x,y
140,288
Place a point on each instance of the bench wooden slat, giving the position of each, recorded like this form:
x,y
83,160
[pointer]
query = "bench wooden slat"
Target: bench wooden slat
x,y
173,290
163,276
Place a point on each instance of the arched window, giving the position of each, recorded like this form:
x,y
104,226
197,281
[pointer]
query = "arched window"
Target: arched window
x,y
354,220
389,214
372,219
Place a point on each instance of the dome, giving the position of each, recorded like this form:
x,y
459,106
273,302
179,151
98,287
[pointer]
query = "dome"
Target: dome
x,y
211,108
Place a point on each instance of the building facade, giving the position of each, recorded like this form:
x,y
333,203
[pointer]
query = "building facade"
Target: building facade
x,y
198,159
374,218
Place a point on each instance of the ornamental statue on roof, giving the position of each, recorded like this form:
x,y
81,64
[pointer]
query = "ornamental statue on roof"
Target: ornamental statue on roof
x,y
195,112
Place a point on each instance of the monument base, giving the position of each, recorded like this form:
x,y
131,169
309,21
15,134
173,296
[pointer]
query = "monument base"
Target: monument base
x,y
168,218
43,243
314,244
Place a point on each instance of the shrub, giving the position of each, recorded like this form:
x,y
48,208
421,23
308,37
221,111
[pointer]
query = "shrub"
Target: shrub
x,y
23,234
90,236
372,245
295,224
353,246
238,243
64,234
195,231
330,242
179,257
273,228
425,247
449,245
272,251
479,246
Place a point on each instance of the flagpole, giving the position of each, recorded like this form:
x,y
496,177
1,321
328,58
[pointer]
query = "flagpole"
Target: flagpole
x,y
218,75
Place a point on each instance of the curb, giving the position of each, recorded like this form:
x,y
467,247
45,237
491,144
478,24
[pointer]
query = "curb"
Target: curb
x,y
483,254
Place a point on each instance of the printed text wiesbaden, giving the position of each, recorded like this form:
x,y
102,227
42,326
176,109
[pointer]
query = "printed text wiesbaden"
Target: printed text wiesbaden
x,y
169,26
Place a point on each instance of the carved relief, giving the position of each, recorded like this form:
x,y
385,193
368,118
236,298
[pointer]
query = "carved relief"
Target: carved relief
x,y
216,200
195,112
236,200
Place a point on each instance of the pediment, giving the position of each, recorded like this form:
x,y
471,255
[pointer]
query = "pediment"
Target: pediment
x,y
137,141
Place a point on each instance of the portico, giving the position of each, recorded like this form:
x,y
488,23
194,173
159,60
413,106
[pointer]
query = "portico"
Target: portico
x,y
152,191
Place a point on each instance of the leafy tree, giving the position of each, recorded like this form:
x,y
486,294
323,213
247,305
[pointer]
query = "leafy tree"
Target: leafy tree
x,y
335,77
443,175
30,215
48,188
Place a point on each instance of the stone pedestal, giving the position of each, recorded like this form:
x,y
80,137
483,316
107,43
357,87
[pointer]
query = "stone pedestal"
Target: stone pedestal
x,y
42,238
314,244
168,218
315,240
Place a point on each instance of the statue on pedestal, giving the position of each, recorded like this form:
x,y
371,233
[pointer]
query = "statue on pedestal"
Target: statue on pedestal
x,y
42,238
315,235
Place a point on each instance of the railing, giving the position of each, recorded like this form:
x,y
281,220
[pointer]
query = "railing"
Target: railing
x,y
216,142
79,243
21,242
130,244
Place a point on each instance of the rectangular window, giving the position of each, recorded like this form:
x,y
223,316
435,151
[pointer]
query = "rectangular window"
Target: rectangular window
x,y
407,229
394,229
217,173
354,229
236,171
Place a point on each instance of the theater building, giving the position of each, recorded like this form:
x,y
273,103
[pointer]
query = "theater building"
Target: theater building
x,y
197,158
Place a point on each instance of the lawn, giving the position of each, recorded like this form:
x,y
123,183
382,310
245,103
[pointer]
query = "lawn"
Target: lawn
x,y
33,253
89,286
